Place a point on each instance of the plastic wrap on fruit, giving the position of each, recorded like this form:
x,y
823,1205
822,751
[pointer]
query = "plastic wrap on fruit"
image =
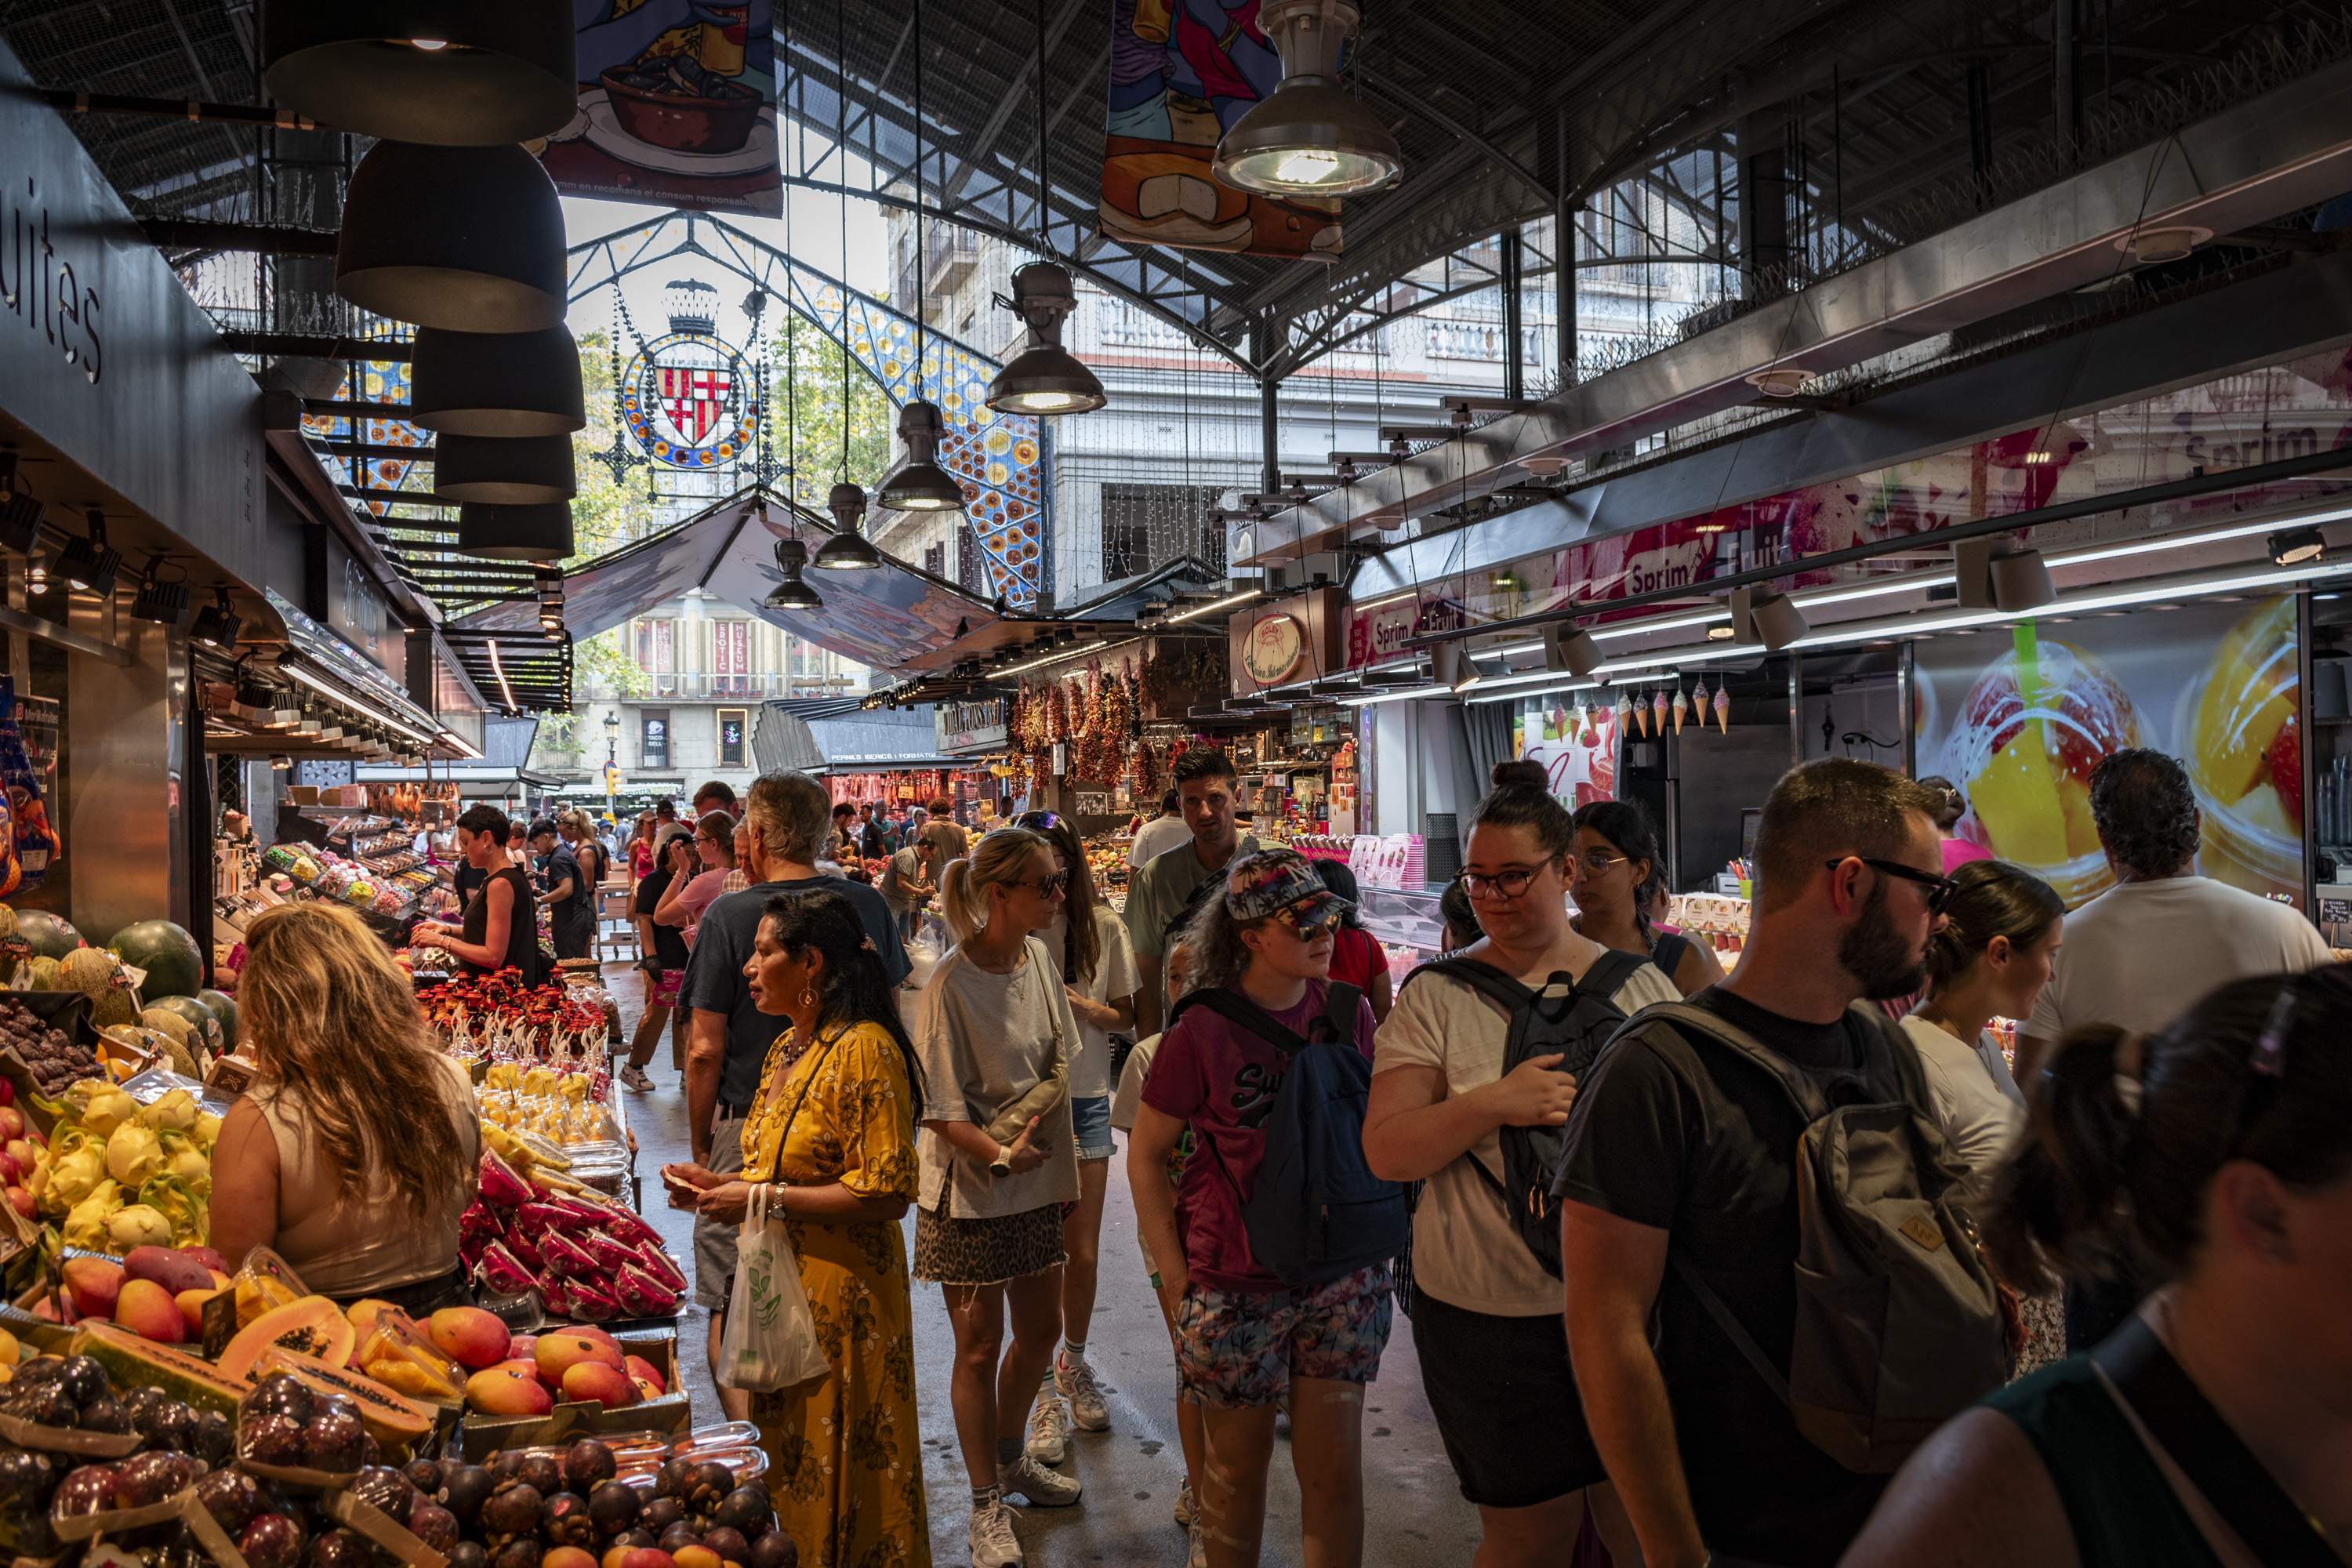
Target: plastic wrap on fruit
x,y
628,1226
502,1271
501,1186
469,1253
585,1216
641,1294
555,1297
656,1262
612,1255
524,1248
538,1218
479,1225
566,1259
593,1301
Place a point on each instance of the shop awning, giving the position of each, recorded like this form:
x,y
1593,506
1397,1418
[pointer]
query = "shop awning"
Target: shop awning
x,y
331,669
845,738
884,619
460,773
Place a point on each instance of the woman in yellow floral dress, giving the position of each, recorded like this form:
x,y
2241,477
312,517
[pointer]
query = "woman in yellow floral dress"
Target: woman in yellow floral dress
x,y
834,1128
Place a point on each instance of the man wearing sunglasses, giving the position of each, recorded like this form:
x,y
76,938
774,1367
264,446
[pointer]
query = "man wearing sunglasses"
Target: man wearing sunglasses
x,y
1680,1142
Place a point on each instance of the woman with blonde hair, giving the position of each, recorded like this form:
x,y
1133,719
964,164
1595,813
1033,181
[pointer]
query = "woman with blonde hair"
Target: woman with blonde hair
x,y
995,1034
356,1148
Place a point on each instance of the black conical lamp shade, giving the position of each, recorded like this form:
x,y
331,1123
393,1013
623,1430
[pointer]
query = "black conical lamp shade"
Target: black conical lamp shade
x,y
455,73
466,237
508,471
541,532
496,383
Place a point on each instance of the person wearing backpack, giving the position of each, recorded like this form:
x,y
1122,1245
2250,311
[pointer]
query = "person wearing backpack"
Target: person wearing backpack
x,y
1473,1074
1771,1296
1272,1252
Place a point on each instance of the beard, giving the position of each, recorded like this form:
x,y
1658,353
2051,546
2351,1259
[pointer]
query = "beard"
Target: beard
x,y
1881,961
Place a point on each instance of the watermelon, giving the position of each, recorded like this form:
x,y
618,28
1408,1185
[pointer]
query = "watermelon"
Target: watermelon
x,y
175,965
52,936
223,1011
203,1025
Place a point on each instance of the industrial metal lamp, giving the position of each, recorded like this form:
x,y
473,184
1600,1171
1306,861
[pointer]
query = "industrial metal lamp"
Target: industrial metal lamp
x,y
793,593
471,238
1045,377
1310,136
848,550
919,484
458,73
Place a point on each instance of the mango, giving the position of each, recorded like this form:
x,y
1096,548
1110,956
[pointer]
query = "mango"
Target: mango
x,y
192,1310
508,1389
470,1337
557,1353
175,1271
606,1386
147,1310
94,1283
639,1368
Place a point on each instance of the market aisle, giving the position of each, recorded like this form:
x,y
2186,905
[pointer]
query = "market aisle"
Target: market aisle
x,y
1417,1518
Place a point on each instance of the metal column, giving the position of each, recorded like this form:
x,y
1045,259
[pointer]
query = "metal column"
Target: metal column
x,y
1269,434
1514,269
1563,245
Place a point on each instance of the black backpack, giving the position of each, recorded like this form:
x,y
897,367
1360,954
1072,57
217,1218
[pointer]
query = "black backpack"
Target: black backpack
x,y
1315,1212
1570,1017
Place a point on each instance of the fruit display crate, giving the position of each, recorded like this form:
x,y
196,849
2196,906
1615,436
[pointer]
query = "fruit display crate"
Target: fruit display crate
x,y
480,1435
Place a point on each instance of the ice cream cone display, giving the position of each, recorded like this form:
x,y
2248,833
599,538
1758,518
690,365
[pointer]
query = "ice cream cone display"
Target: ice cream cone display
x,y
1624,712
1592,725
1723,709
1658,712
1682,706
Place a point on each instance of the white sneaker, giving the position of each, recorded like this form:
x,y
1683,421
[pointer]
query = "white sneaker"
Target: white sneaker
x,y
1045,1488
1048,1442
1196,1547
1075,1381
989,1535
1186,1511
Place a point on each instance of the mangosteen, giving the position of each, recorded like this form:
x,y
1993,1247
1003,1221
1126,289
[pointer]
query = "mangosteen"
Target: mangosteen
x,y
523,1552
272,1439
433,1524
506,1465
25,1480
677,1537
341,1548
273,1541
745,1509
673,1479
710,1486
464,1489
728,1543
281,1393
385,1490
640,1538
83,1378
425,1475
333,1441
585,1464
541,1471
468,1554
564,1520
660,1514
615,1509
88,1489
231,1497
511,1511
145,1479
215,1440
774,1550
105,1414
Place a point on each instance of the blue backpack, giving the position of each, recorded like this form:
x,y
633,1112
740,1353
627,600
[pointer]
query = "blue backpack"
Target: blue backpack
x,y
1316,1212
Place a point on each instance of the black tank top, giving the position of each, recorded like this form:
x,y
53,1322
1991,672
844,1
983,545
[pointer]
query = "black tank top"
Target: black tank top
x,y
522,927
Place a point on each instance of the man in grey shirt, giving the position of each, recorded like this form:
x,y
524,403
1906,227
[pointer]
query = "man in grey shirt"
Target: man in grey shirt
x,y
1162,889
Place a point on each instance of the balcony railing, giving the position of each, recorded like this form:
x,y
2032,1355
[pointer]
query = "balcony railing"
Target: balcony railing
x,y
706,688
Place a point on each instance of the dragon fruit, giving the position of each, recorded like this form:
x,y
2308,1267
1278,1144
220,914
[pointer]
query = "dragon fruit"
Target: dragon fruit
x,y
641,1295
527,1249
587,1215
566,1259
500,1186
628,1226
656,1262
479,1225
592,1300
557,1299
538,1218
501,1272
611,1256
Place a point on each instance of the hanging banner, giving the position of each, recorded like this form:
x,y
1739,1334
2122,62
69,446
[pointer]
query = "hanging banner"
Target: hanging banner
x,y
678,106
1176,86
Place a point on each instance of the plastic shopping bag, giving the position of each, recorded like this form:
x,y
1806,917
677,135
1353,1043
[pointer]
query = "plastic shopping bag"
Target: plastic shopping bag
x,y
770,1341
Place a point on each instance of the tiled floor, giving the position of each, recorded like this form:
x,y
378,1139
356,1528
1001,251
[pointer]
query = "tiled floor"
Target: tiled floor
x,y
1417,1519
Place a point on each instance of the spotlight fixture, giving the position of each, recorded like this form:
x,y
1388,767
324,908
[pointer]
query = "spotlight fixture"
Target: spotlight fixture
x,y
89,563
2293,546
456,72
1045,377
1777,620
1571,648
165,603
1780,381
1546,464
2173,242
1310,136
2021,580
37,579
20,524
848,550
793,593
281,764
218,624
919,484
1455,668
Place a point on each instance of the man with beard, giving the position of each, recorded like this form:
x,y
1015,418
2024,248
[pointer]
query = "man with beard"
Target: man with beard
x,y
1680,1142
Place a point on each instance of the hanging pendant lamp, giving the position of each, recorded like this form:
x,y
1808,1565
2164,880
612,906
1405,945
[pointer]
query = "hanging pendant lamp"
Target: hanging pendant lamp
x,y
507,470
496,383
1310,136
471,238
1045,377
542,532
848,550
919,484
455,73
793,593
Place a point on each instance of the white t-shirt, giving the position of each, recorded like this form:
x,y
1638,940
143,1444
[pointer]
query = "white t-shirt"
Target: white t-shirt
x,y
984,1040
2142,954
1162,833
1115,976
1465,1250
1976,1099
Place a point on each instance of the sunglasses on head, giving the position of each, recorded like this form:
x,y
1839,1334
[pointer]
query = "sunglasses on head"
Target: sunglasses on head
x,y
1939,889
1037,821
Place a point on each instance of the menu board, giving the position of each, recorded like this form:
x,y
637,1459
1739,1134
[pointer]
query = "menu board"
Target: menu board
x,y
2019,715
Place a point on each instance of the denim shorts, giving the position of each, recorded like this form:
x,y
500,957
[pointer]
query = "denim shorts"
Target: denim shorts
x,y
1237,1348
1090,1118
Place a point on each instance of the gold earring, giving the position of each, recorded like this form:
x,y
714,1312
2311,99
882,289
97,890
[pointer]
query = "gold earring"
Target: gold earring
x,y
808,996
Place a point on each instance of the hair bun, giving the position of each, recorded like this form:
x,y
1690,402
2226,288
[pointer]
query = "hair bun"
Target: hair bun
x,y
1520,773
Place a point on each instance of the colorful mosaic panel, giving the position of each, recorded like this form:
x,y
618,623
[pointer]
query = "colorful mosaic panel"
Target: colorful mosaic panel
x,y
379,382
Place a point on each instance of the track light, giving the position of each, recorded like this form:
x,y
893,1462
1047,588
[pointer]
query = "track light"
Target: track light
x,y
1456,669
165,603
1571,648
1777,619
793,593
1045,377
2293,546
848,550
89,563
218,624
1310,136
20,523
2021,580
919,484
281,764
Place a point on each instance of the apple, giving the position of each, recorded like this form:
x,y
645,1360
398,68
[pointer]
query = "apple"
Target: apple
x,y
21,1201
20,1150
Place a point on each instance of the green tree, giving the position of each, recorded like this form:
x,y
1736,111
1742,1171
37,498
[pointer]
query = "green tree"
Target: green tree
x,y
806,398
606,512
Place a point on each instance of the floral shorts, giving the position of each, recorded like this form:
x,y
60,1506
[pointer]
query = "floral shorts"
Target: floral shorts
x,y
1237,1348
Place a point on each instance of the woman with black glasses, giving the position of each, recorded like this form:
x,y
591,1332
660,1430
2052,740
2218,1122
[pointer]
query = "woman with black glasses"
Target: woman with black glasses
x,y
1486,1308
1616,875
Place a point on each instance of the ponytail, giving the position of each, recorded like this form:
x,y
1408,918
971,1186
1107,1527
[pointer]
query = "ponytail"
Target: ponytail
x,y
999,857
2055,1203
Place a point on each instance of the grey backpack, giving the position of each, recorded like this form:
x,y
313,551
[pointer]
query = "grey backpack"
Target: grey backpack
x,y
1898,1323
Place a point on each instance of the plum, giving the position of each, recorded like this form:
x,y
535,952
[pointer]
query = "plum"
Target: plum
x,y
335,1440
272,1439
231,1497
83,1378
281,1393
433,1525
88,1489
144,1480
385,1490
272,1541
341,1548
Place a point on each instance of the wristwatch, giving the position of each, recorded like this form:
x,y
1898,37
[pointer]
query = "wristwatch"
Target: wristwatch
x,y
1002,1164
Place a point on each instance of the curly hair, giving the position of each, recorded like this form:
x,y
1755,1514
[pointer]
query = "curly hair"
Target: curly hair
x,y
2145,812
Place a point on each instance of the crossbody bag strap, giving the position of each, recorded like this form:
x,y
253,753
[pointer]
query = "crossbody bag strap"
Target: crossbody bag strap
x,y
2143,1374
794,1114
1239,1009
1733,1329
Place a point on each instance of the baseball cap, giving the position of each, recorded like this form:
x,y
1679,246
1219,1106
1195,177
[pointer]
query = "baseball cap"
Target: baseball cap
x,y
1273,880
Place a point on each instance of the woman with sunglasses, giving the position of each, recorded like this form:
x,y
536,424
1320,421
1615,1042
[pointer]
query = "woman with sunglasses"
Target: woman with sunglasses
x,y
1245,1340
1615,876
1099,977
1486,1321
995,1033
2215,1426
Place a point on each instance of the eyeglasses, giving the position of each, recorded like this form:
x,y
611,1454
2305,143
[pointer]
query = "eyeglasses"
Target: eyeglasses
x,y
1598,860
1939,889
1506,884
1037,821
1048,887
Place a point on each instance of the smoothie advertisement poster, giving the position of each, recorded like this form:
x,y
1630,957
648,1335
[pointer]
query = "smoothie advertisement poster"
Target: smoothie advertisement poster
x,y
2018,716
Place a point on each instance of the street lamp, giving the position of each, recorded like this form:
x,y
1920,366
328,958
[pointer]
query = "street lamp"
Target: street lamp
x,y
612,733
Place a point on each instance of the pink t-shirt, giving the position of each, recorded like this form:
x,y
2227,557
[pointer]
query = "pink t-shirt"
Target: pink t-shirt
x,y
1220,1079
1959,852
697,895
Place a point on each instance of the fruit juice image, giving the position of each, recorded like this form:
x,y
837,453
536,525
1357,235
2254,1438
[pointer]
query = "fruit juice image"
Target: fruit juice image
x,y
2240,734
